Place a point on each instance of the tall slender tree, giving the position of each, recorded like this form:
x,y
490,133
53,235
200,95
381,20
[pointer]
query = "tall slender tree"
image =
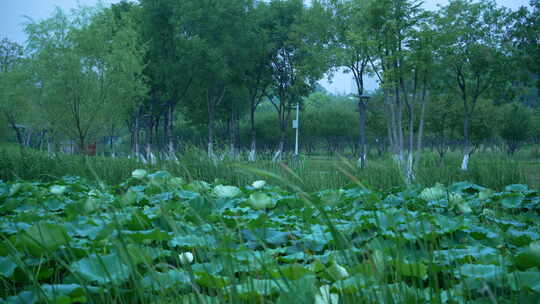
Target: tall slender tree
x,y
474,54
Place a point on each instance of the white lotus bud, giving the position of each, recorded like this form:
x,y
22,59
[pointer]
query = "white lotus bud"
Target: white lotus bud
x,y
58,190
139,173
186,257
260,201
258,184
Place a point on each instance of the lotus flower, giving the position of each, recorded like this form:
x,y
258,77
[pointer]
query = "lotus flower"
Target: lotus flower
x,y
455,198
258,184
139,174
226,191
433,193
260,201
186,257
58,190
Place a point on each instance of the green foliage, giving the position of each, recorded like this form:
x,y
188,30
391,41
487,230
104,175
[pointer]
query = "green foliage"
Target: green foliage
x,y
88,66
177,242
516,127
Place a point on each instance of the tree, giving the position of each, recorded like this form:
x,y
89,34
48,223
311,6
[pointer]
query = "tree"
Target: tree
x,y
354,50
86,67
299,58
258,73
12,84
516,126
474,55
401,65
173,61
525,37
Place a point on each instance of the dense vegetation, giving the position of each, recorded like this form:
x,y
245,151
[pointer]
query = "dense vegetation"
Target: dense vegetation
x,y
205,203
159,239
225,75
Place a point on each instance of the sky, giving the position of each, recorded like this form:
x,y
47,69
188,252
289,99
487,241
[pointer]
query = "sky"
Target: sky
x,y
13,12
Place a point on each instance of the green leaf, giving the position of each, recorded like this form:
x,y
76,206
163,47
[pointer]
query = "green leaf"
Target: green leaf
x,y
517,188
411,269
512,201
25,297
212,281
7,267
171,279
256,288
102,269
291,272
43,237
152,235
529,257
353,284
192,241
478,271
525,280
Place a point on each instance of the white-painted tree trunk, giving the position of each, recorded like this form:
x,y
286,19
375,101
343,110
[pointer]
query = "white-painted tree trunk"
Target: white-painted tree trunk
x,y
465,162
211,150
277,156
362,161
409,172
141,158
252,157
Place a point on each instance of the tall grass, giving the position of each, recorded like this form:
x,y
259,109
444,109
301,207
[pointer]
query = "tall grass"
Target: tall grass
x,y
314,173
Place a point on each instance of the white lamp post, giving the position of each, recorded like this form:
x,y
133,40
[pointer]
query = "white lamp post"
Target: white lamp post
x,y
296,124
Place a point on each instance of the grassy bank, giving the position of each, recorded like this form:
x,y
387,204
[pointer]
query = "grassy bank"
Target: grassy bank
x,y
310,173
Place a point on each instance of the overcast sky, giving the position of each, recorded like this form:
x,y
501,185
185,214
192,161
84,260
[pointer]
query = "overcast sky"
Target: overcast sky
x,y
12,14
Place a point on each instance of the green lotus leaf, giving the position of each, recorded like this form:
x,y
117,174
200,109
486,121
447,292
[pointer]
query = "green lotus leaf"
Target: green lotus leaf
x,y
43,237
7,267
529,257
512,201
170,280
102,269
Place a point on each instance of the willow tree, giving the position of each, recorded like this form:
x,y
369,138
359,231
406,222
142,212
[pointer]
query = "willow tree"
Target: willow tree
x,y
88,68
13,84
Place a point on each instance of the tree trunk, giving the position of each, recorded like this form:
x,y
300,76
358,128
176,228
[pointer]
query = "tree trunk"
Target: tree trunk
x,y
232,134
17,132
399,126
210,130
28,139
363,147
422,119
136,134
410,176
253,152
170,129
282,135
81,145
50,144
468,149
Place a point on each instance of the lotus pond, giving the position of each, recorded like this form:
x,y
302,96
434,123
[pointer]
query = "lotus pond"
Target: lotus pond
x,y
159,239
